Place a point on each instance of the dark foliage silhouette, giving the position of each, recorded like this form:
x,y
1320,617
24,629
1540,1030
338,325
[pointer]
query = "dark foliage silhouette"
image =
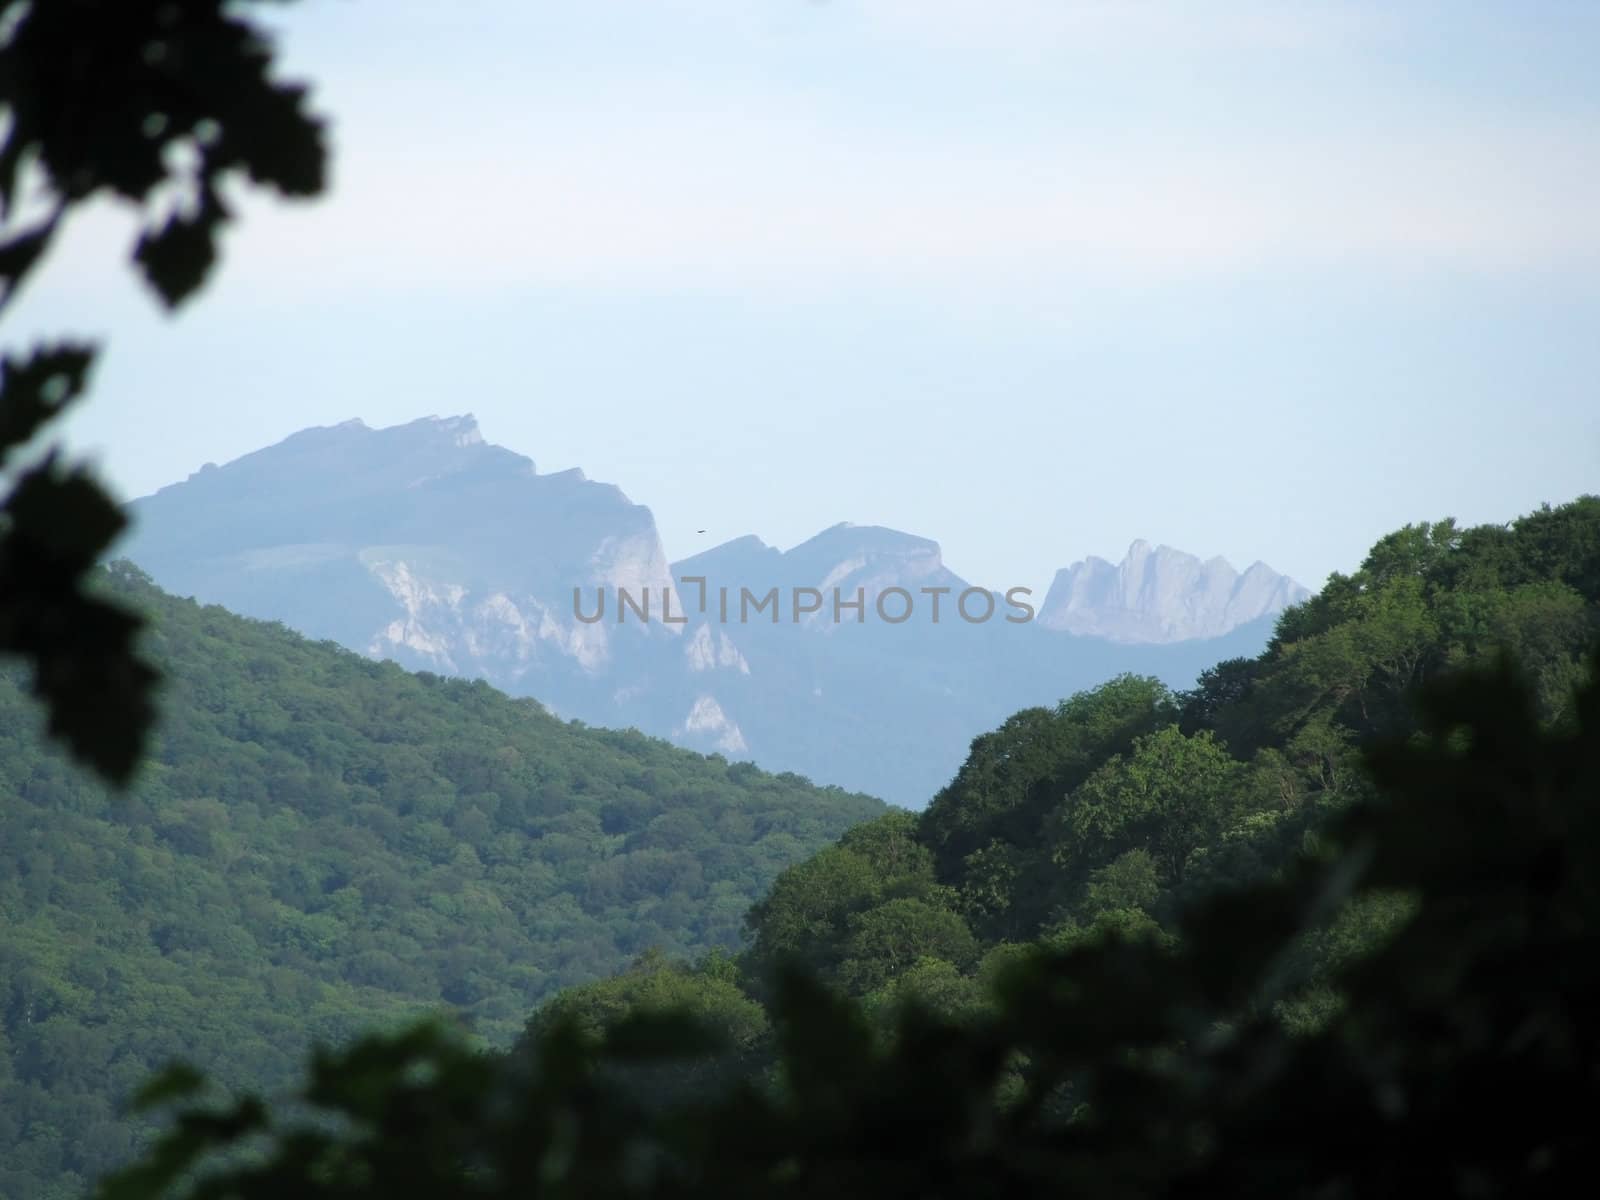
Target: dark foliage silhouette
x,y
156,103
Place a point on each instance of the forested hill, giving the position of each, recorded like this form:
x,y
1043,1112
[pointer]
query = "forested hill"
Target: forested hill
x,y
1118,808
321,843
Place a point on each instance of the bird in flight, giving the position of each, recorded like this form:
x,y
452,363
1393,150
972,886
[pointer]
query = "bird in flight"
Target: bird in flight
x,y
699,530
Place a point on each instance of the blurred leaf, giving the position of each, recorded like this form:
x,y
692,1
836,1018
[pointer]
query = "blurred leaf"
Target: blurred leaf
x,y
99,96
36,389
99,694
19,253
177,256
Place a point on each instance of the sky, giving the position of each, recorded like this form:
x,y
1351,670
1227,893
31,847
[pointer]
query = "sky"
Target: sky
x,y
1030,278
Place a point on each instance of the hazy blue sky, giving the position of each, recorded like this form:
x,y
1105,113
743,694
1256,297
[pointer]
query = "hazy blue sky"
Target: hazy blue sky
x,y
1031,278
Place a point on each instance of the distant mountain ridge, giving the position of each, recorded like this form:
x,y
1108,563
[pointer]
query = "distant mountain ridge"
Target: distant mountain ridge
x,y
428,545
845,558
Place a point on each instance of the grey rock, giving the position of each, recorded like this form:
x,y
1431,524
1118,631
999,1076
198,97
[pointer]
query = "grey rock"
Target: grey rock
x,y
1158,594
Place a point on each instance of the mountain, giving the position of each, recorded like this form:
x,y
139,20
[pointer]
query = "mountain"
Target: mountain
x,y
1158,594
322,843
420,543
425,544
848,557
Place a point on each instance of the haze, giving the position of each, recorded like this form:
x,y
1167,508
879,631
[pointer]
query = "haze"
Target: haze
x,y
1034,279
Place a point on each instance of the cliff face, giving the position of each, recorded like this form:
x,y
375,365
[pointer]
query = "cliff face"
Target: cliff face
x,y
424,544
420,543
1158,594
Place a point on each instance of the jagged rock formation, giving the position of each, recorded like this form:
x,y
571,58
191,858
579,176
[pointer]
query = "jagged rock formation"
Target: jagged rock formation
x,y
1158,594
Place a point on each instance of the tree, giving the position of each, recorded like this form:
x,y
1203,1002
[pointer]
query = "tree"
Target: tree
x,y
1015,775
655,986
813,907
1169,796
803,918
887,940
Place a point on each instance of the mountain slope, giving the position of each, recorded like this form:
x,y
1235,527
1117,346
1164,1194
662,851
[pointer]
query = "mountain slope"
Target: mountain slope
x,y
321,842
1121,805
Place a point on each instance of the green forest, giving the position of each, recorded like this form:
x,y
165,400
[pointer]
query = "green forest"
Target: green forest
x,y
319,844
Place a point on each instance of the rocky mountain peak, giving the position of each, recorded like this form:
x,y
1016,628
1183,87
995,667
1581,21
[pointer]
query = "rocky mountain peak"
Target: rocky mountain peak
x,y
420,541
1161,594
